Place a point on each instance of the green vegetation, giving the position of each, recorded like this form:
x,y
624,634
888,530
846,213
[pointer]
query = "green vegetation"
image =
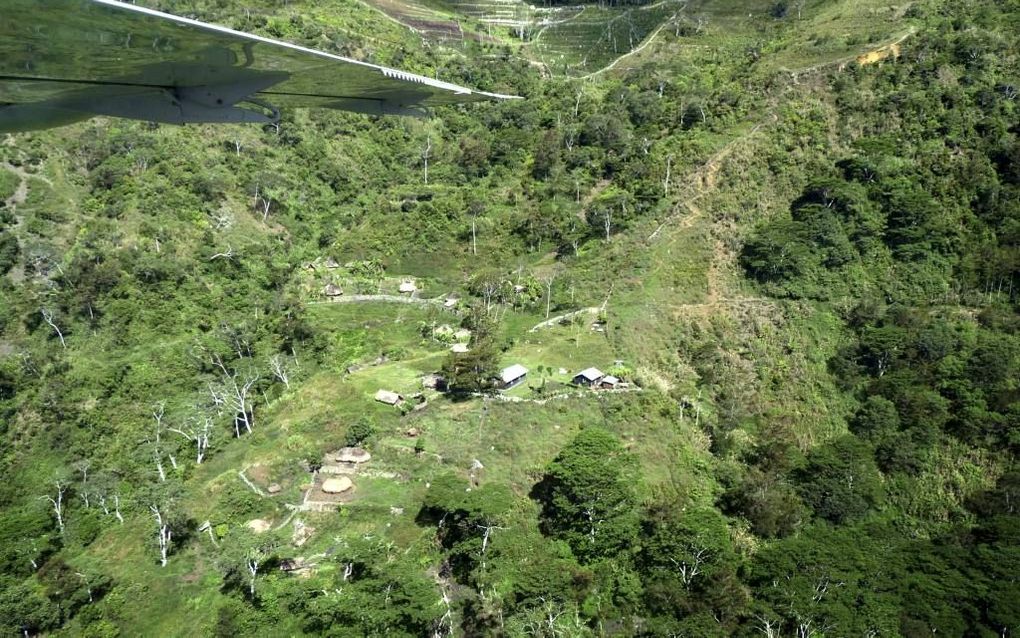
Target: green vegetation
x,y
792,229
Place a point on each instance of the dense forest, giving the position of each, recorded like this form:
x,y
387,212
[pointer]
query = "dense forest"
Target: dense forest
x,y
791,229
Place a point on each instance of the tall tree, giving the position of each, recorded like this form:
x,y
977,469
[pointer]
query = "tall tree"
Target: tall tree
x,y
588,497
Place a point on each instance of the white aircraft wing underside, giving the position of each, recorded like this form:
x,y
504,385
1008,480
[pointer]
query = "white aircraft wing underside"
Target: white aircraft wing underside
x,y
71,59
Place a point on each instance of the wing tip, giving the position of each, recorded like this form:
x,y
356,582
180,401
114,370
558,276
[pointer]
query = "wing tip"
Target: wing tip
x,y
396,74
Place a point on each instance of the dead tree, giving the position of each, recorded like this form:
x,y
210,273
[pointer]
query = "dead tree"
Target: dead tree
x,y
227,254
83,467
770,628
198,433
548,281
486,534
262,202
164,535
157,415
88,586
47,316
425,153
116,507
254,559
235,395
669,170
278,365
58,503
691,566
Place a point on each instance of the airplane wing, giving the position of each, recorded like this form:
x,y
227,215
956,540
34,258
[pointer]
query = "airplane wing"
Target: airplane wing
x,y
67,60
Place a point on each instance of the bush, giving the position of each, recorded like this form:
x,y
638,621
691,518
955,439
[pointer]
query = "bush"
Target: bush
x,y
359,432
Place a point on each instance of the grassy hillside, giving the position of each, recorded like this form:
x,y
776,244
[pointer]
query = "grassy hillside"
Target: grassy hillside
x,y
790,228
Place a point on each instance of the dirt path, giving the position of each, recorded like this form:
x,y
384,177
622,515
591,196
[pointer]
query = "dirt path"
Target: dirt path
x,y
254,488
594,310
702,181
876,54
21,193
641,47
719,296
382,298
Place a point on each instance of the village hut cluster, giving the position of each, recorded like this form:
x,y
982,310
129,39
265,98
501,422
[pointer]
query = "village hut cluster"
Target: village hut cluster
x,y
416,401
333,482
513,376
593,378
597,380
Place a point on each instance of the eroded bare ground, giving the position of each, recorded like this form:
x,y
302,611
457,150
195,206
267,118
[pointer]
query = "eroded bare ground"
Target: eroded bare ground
x,y
21,193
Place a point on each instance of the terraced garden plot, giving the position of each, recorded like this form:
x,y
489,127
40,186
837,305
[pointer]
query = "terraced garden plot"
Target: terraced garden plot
x,y
594,37
507,12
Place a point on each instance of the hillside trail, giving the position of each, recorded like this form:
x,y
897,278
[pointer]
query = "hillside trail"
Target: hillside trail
x,y
704,181
21,193
590,196
641,47
871,56
687,212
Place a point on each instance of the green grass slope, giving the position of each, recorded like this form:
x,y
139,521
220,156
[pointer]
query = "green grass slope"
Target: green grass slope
x,y
790,228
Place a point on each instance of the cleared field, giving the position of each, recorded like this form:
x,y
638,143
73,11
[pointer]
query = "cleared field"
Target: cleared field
x,y
594,37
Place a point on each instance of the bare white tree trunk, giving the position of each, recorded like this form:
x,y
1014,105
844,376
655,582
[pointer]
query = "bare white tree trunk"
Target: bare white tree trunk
x,y
236,395
279,368
157,415
262,202
47,316
548,293
770,628
669,169
692,567
227,254
253,569
487,533
83,467
58,504
164,535
88,586
199,434
425,156
445,623
116,508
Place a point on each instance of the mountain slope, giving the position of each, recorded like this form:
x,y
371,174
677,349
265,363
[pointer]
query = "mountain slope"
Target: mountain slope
x,y
791,228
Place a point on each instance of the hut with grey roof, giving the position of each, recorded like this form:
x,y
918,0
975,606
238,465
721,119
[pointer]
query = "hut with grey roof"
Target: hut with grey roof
x,y
588,377
512,376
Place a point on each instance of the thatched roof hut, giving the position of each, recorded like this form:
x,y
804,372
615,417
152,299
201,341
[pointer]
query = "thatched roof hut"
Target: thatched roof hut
x,y
387,397
352,455
408,287
337,485
332,290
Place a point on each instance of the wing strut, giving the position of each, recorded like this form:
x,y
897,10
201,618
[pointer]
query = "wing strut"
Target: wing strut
x,y
209,104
